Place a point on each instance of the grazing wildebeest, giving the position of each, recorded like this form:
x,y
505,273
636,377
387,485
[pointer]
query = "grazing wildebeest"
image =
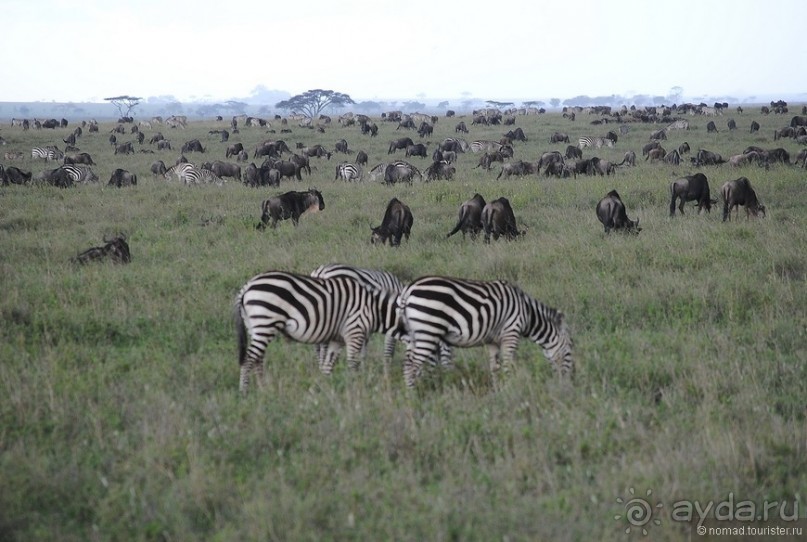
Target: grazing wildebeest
x,y
498,219
124,148
732,125
573,152
739,192
156,137
397,223
233,149
778,155
683,148
611,213
754,126
518,135
628,160
425,129
460,127
290,205
708,158
559,137
224,169
121,177
80,158
440,169
649,147
302,161
158,168
711,127
691,188
400,170
50,123
164,145
56,177
194,145
115,249
400,144
487,159
470,217
252,176
341,146
14,175
268,176
519,168
673,157
418,149
287,168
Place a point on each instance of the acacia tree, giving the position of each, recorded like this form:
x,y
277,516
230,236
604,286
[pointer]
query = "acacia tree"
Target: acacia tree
x,y
121,102
313,102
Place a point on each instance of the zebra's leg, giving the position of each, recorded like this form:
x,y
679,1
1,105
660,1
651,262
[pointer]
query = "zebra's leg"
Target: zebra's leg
x,y
253,361
389,348
493,357
329,359
355,347
446,356
422,348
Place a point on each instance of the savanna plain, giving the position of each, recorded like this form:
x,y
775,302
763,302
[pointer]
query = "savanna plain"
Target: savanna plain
x,y
120,417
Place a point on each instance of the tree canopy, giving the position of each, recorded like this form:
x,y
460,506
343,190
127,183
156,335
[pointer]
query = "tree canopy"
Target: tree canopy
x,y
124,102
313,102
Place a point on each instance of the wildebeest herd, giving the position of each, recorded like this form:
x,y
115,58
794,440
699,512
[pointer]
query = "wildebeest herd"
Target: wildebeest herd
x,y
401,315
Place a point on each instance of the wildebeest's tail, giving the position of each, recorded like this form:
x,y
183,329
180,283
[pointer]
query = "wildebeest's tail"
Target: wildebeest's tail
x,y
240,330
460,222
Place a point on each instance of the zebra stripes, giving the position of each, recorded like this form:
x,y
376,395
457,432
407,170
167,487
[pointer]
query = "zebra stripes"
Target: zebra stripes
x,y
680,124
469,313
382,281
190,174
311,310
348,172
485,146
80,173
48,153
594,142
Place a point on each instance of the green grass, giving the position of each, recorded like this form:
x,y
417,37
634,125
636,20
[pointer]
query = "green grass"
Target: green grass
x,y
120,416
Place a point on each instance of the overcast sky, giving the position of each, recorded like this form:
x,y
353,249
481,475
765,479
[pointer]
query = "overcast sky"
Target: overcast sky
x,y
85,50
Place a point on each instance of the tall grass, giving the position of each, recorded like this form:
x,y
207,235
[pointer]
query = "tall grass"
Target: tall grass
x,y
121,420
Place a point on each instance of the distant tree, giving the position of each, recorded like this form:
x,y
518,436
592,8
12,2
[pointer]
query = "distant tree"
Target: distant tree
x,y
368,106
413,106
498,105
124,102
237,107
313,102
532,103
554,102
443,104
676,94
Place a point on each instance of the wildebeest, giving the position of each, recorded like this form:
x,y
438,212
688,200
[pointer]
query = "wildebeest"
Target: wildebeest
x,y
400,170
80,158
397,223
287,168
628,160
418,149
460,127
164,145
290,205
440,169
14,175
251,175
573,152
194,145
124,148
498,219
559,137
399,144
56,177
224,169
754,126
611,213
425,129
711,127
158,168
121,177
470,217
707,158
156,137
233,149
519,168
739,192
683,148
518,135
732,125
341,146
316,151
602,167
115,249
691,188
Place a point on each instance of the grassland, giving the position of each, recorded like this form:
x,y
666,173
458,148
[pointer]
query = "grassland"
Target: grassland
x,y
120,417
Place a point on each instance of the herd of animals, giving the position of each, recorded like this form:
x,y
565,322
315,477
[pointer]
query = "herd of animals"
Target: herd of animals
x,y
341,305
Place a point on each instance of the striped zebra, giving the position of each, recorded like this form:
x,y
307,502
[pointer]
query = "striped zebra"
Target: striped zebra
x,y
680,124
348,172
469,313
594,142
482,145
383,281
49,152
190,174
80,173
336,311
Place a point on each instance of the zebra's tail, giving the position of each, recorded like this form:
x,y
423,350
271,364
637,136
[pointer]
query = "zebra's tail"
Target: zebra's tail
x,y
240,331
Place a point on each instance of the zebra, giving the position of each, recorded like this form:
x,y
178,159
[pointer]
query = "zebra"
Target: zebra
x,y
337,311
465,313
348,172
80,173
48,153
383,281
594,142
190,174
680,124
485,146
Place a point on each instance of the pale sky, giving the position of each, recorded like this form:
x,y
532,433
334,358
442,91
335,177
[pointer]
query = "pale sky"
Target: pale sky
x,y
86,50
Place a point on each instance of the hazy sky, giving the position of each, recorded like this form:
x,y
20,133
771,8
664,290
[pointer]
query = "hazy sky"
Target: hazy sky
x,y
85,50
